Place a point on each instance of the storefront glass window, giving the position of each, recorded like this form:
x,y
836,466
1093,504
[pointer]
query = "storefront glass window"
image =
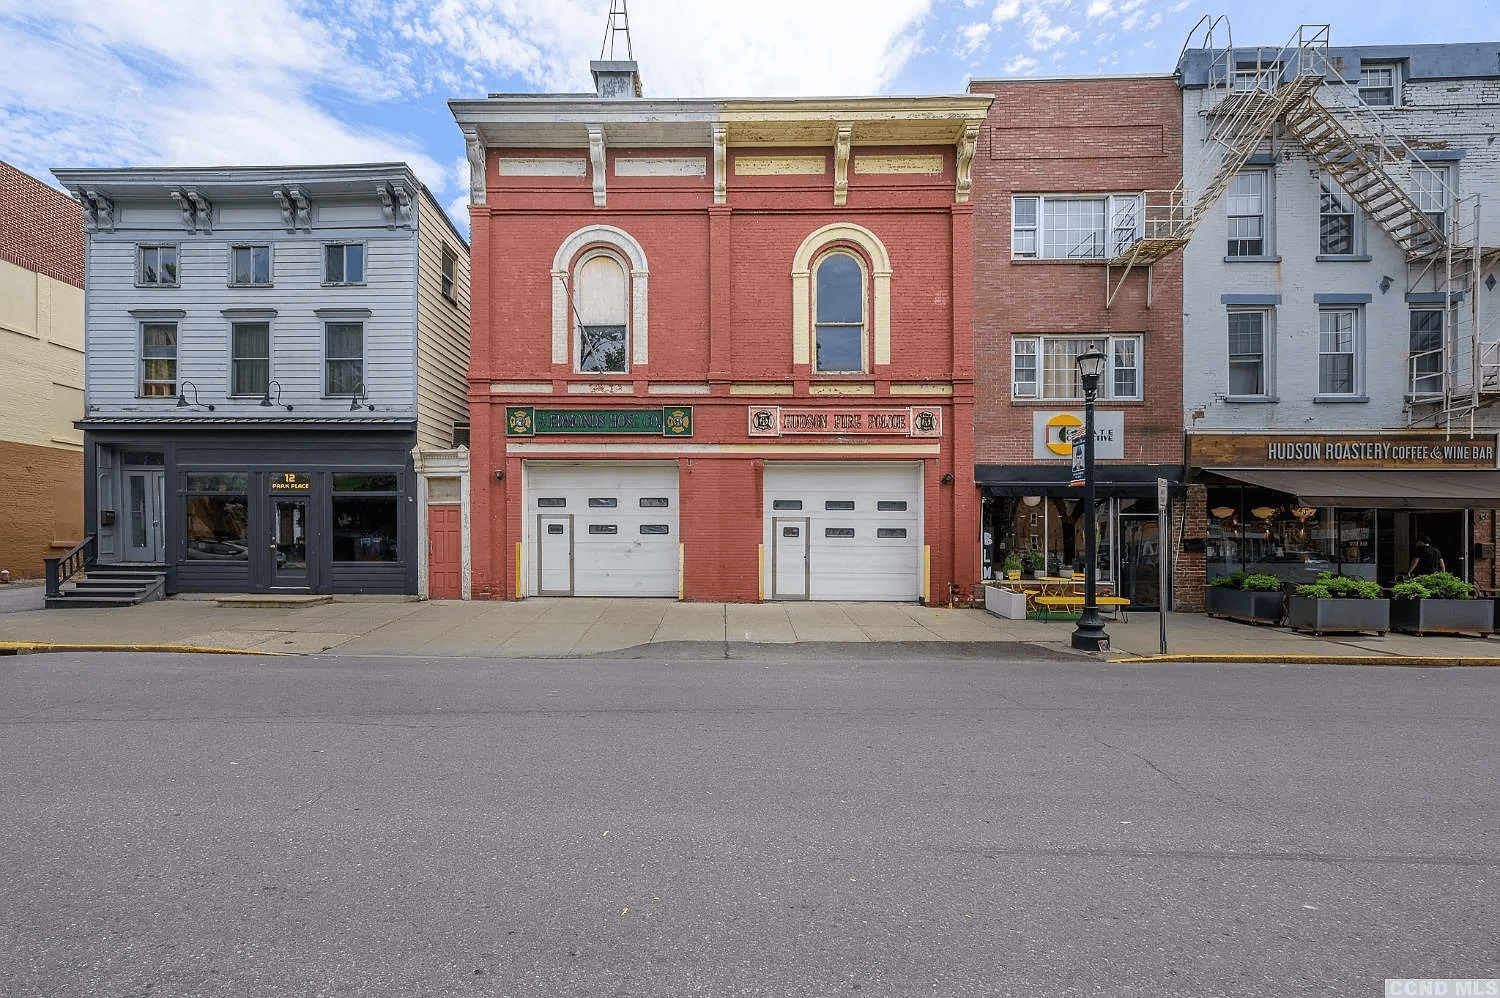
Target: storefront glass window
x,y
365,522
218,520
1053,532
1270,533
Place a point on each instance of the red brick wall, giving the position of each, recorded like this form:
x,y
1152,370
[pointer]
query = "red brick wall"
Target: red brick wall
x,y
720,303
43,512
41,228
1074,136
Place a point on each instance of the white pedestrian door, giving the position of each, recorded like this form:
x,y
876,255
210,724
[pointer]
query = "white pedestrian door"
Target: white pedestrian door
x,y
554,538
144,537
789,557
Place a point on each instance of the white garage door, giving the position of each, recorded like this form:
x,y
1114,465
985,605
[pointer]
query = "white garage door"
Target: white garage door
x,y
848,531
601,529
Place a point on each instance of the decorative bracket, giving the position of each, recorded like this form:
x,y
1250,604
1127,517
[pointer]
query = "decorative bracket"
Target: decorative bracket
x,y
475,150
301,209
287,221
966,147
721,163
387,206
841,145
203,210
98,210
186,207
596,158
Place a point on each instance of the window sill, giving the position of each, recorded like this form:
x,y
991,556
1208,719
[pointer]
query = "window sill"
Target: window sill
x,y
1251,399
1252,259
157,287
344,284
266,284
1344,258
1074,402
1335,399
1074,260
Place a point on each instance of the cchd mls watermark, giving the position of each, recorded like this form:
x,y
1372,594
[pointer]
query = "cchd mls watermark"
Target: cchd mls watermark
x,y
1453,987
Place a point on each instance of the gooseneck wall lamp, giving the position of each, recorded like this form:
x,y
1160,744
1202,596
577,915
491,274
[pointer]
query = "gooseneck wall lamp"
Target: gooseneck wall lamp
x,y
361,399
1089,634
266,402
182,399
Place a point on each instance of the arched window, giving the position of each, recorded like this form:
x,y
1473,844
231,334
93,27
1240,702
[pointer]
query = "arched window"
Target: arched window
x,y
839,307
599,301
601,323
841,301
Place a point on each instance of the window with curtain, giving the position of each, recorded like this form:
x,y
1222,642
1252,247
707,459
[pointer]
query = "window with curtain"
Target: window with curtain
x,y
158,359
250,363
343,357
1247,352
839,327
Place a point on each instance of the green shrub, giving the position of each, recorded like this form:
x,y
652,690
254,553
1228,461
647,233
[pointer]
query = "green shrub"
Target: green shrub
x,y
1342,587
1234,580
1261,584
1410,590
1444,585
1315,590
1011,563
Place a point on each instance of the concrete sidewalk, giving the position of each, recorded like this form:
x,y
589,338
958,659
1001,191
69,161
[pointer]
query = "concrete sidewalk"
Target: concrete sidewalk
x,y
570,628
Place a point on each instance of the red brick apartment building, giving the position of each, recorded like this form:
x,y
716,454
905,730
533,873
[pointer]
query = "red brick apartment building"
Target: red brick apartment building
x,y
1064,176
41,367
721,349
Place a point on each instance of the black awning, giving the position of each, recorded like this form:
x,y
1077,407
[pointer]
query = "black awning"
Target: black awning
x,y
1129,481
1378,489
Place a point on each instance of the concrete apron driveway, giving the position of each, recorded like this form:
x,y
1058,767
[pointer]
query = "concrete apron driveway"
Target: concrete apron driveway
x,y
569,628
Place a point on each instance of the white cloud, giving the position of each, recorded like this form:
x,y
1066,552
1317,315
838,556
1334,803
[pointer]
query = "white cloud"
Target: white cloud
x,y
1021,65
1006,10
971,37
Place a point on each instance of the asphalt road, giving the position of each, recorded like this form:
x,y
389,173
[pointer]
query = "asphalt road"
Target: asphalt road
x,y
195,825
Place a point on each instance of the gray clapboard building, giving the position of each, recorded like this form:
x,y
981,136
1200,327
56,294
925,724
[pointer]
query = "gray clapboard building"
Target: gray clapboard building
x,y
275,385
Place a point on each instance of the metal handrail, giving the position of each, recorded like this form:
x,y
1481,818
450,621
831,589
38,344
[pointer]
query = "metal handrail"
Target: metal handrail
x,y
64,567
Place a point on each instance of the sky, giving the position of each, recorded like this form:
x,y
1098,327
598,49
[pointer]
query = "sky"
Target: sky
x,y
111,83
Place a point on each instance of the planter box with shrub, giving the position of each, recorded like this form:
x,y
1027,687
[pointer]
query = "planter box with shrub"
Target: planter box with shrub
x,y
1440,603
1338,603
1239,596
1007,603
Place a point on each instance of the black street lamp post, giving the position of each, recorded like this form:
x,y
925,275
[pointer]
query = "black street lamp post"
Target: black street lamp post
x,y
1089,634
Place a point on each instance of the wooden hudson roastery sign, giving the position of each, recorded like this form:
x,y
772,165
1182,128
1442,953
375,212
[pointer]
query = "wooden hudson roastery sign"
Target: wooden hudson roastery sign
x,y
1307,451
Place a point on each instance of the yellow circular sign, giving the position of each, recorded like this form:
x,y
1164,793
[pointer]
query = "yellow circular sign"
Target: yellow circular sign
x,y
1059,430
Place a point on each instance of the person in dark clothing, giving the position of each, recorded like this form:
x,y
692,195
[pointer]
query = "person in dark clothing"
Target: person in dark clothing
x,y
1428,558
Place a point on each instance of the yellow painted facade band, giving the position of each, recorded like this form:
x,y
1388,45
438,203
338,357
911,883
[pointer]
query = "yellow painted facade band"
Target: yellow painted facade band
x,y
520,572
681,571
760,572
927,573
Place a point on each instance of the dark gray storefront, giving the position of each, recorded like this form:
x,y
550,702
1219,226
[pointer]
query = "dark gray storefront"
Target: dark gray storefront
x,y
235,507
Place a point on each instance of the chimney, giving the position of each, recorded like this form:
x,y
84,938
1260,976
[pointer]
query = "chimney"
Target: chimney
x,y
616,80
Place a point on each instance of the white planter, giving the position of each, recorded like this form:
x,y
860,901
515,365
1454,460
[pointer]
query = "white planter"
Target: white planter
x,y
1005,603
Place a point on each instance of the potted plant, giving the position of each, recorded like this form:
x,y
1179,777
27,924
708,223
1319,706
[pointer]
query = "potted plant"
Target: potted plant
x,y
1242,596
1338,603
1029,563
1440,603
1012,566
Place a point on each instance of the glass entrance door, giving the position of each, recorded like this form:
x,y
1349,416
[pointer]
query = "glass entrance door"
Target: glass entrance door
x,y
289,544
1140,565
144,538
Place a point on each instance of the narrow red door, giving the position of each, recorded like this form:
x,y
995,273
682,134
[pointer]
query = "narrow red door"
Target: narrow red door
x,y
444,552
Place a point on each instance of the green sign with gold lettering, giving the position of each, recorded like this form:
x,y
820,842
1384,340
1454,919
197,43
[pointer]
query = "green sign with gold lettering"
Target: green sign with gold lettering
x,y
668,421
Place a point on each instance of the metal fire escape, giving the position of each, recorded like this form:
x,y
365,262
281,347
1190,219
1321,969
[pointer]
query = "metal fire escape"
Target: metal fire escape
x,y
1263,90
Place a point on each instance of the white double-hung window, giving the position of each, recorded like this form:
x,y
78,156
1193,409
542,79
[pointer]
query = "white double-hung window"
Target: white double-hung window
x,y
1045,367
1073,227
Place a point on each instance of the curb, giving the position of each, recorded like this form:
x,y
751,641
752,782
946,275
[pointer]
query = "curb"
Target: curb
x,y
38,647
1408,661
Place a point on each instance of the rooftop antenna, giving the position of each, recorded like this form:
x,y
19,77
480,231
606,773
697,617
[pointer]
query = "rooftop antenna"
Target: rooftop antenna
x,y
619,22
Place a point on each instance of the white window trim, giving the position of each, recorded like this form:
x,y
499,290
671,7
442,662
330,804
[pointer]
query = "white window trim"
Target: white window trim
x,y
1443,171
1357,386
1020,391
864,310
577,324
1267,353
142,321
1442,352
364,258
1117,205
1357,226
140,269
562,276
270,266
879,320
1396,81
1267,198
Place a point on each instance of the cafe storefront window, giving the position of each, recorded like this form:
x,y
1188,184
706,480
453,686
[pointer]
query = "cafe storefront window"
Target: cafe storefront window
x,y
366,510
218,520
1271,533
